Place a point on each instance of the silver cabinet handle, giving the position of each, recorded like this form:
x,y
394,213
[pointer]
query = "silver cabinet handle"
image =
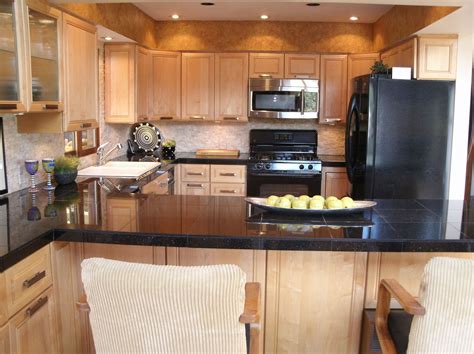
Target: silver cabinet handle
x,y
332,120
228,174
265,76
197,117
194,185
231,118
30,311
233,191
195,173
301,76
166,117
302,102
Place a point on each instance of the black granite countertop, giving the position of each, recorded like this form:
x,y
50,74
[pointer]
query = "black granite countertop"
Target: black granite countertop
x,y
85,212
333,160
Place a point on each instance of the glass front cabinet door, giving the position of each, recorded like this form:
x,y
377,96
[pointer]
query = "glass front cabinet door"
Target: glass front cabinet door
x,y
11,80
43,30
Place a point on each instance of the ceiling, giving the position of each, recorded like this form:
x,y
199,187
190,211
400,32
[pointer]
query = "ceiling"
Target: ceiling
x,y
251,11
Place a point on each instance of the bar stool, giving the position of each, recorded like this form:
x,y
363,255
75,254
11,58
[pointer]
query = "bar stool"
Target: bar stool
x,y
143,308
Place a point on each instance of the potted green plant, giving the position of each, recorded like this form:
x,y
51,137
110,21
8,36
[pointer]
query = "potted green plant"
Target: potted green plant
x,y
168,149
65,170
379,68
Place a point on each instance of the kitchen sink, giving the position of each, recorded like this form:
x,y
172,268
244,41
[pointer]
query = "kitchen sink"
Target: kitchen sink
x,y
121,169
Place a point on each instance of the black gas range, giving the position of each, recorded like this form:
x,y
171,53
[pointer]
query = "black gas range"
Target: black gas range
x,y
283,162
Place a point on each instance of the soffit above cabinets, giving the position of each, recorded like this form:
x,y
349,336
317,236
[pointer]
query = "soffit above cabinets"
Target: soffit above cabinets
x,y
251,11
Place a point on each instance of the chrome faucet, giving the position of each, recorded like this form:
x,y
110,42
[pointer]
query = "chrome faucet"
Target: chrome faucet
x,y
103,156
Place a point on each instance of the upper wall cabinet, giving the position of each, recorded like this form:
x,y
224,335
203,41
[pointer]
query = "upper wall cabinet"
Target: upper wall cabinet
x,y
126,83
333,89
43,25
304,66
357,65
266,65
197,86
165,91
231,86
81,110
429,56
11,80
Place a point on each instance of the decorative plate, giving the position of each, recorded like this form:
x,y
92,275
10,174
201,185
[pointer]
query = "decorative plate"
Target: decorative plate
x,y
360,205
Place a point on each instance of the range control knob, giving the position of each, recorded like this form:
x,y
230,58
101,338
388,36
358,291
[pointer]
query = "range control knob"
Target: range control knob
x,y
259,166
310,167
268,166
301,167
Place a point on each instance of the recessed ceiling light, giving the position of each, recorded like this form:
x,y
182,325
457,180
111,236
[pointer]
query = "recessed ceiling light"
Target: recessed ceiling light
x,y
175,17
312,4
108,38
354,18
264,17
207,4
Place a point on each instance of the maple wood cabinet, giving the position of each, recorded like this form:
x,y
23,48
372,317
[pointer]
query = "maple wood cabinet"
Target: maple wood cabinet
x,y
333,89
429,56
165,87
197,84
304,66
357,65
231,90
126,83
335,182
266,65
122,214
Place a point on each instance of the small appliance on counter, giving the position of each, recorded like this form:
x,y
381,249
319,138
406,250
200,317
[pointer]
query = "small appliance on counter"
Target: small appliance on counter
x,y
145,138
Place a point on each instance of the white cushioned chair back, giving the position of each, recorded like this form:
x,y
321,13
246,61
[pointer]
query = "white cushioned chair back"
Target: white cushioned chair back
x,y
142,308
447,294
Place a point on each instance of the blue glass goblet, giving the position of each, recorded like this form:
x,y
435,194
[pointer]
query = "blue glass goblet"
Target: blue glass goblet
x,y
32,167
48,166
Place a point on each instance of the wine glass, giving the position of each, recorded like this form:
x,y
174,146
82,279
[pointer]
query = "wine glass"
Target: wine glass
x,y
32,167
34,213
48,166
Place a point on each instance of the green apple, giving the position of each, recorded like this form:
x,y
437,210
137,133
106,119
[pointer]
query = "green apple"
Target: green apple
x,y
318,197
328,199
299,204
316,204
283,203
335,204
305,198
289,196
348,202
271,200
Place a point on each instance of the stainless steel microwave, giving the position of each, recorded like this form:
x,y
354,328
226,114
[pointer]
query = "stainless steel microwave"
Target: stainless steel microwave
x,y
284,98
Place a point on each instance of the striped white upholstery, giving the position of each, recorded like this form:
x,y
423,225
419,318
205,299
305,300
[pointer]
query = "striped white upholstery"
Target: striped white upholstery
x,y
141,308
447,294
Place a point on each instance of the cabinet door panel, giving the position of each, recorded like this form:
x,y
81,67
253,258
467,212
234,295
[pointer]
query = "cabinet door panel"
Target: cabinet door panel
x,y
333,89
34,328
198,86
165,100
266,65
194,173
143,83
302,66
359,64
195,188
126,253
437,58
231,86
335,182
3,304
4,339
81,74
122,214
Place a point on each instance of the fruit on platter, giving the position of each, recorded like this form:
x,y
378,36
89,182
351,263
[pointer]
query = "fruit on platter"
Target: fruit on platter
x,y
316,202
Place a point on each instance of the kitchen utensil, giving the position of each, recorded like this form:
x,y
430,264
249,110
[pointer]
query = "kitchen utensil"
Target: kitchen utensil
x,y
360,205
32,168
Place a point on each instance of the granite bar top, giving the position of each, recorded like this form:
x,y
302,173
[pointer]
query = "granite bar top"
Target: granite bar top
x,y
86,212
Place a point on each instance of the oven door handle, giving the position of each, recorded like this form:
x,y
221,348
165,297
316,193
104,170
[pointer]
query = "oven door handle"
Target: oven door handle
x,y
295,175
302,102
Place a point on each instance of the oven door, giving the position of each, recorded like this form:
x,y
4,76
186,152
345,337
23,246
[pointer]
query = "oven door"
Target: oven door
x,y
264,185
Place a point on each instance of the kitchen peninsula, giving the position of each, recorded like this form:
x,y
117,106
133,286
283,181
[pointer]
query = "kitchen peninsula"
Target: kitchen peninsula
x,y
295,260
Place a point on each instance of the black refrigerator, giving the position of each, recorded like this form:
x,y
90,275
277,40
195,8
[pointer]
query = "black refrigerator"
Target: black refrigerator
x,y
399,137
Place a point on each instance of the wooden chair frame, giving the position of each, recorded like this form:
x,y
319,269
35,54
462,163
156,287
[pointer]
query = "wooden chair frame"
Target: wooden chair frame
x,y
389,288
250,316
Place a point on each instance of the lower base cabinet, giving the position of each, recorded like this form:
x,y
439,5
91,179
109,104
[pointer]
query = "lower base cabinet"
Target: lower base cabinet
x,y
335,182
4,339
33,329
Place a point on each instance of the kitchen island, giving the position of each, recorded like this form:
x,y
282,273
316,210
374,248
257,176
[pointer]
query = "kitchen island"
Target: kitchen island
x,y
317,274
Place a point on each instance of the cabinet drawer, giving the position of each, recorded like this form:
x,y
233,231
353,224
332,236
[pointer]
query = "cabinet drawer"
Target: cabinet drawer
x,y
28,279
227,174
194,188
158,186
236,189
194,173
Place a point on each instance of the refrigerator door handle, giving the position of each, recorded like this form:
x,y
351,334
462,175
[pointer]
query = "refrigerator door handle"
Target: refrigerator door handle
x,y
349,143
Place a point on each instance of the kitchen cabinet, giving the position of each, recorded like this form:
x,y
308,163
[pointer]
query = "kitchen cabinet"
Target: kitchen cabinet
x,y
302,294
158,186
43,29
194,172
304,66
335,182
195,188
429,56
357,65
3,304
333,89
125,253
12,80
81,109
165,91
266,65
34,329
4,339
231,88
122,214
197,85
126,83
